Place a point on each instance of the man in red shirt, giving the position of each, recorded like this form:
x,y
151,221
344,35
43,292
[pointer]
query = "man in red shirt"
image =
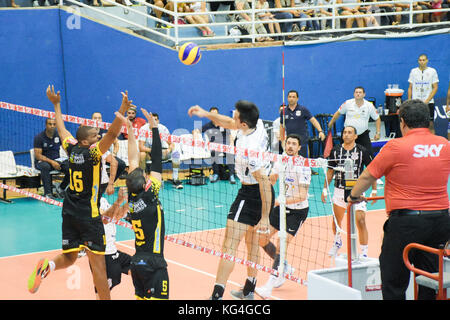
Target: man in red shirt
x,y
416,168
136,121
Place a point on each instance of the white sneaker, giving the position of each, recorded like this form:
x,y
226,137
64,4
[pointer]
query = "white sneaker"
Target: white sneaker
x,y
288,269
46,3
266,290
335,248
35,3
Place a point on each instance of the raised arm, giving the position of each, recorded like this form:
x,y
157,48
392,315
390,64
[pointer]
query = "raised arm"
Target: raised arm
x,y
336,116
55,98
156,152
219,119
114,130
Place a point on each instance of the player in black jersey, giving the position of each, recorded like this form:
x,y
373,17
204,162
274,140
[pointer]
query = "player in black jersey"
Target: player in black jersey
x,y
82,226
361,157
148,266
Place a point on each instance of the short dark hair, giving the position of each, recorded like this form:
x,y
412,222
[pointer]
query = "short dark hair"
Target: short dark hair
x,y
248,112
135,181
214,108
48,119
155,115
295,136
359,87
354,129
293,91
415,113
83,132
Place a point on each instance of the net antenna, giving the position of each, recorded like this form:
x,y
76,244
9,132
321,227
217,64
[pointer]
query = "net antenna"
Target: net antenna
x,y
282,189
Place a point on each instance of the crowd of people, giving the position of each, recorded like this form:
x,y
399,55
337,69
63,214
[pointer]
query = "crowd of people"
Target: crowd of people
x,y
350,14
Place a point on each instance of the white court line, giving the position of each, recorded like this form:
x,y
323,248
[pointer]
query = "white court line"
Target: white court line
x,y
193,269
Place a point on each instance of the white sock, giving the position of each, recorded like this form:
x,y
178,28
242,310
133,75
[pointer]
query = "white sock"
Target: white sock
x,y
175,174
364,248
51,264
337,238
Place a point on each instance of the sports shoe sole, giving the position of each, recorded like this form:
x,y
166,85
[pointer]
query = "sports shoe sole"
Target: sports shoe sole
x,y
34,281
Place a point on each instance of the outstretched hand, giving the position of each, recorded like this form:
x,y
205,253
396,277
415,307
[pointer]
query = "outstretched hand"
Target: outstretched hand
x,y
126,103
54,98
150,119
197,111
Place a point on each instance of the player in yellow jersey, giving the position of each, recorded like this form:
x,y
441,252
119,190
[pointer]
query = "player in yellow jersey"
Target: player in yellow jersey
x,y
81,221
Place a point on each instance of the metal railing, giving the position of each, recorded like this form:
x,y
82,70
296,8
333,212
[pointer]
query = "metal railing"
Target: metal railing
x,y
174,31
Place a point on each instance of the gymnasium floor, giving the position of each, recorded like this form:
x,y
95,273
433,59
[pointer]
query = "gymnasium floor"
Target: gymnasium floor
x,y
30,229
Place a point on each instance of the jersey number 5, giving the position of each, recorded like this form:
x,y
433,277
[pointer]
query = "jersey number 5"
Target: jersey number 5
x,y
137,227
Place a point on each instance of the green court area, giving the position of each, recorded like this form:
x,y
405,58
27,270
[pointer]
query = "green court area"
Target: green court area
x,y
28,225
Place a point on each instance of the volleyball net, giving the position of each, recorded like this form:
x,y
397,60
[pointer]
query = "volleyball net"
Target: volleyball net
x,y
195,216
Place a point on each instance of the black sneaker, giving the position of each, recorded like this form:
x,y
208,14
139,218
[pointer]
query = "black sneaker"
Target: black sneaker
x,y
177,184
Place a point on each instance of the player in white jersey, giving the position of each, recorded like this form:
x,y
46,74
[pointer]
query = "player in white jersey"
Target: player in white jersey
x,y
249,214
297,181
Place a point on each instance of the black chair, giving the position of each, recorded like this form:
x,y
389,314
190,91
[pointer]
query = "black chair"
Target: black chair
x,y
317,146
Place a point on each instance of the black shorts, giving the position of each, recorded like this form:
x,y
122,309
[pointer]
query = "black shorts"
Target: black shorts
x,y
83,233
116,264
431,108
246,208
150,277
294,219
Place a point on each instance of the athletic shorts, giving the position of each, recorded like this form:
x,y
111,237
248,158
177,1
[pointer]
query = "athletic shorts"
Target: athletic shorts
x,y
294,219
246,208
83,233
338,199
116,264
150,277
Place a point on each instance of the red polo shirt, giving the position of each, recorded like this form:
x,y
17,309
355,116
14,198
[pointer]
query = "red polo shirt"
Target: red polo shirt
x,y
416,168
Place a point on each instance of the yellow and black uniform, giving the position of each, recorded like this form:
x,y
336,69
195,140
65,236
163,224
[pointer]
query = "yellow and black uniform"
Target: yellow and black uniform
x,y
148,266
82,224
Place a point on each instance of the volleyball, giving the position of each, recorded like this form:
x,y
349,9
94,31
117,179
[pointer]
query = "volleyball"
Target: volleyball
x,y
189,53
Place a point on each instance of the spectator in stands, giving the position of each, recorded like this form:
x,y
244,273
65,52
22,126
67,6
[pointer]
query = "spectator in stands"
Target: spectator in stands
x,y
41,3
426,5
267,16
199,7
285,26
136,121
121,165
158,13
46,151
349,11
325,12
369,19
399,7
259,27
387,8
220,135
308,12
14,5
169,152
437,15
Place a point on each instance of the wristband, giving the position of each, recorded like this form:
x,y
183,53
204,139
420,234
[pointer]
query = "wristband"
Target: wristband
x,y
374,191
325,192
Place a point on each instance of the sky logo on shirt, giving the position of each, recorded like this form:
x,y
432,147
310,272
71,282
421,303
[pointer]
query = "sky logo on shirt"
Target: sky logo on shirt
x,y
425,151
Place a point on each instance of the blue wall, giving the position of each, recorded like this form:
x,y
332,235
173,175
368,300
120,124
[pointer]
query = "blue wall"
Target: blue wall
x,y
91,65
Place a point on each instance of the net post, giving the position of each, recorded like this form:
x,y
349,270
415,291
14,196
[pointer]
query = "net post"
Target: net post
x,y
282,232
352,253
